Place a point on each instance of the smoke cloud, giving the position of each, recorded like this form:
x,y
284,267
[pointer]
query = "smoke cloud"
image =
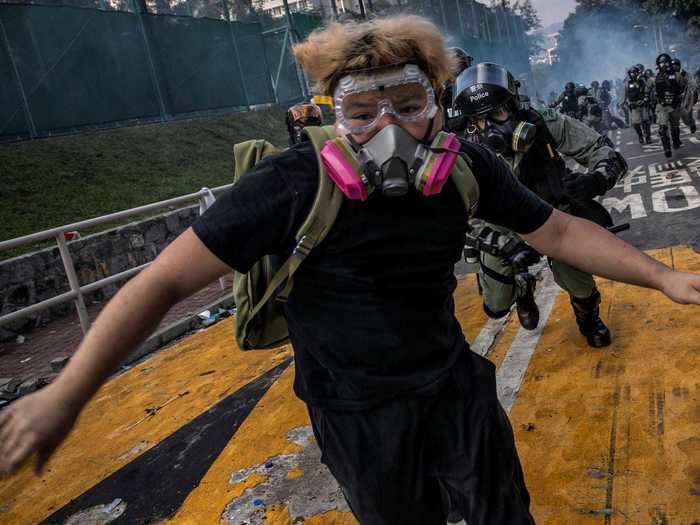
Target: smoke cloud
x,y
604,44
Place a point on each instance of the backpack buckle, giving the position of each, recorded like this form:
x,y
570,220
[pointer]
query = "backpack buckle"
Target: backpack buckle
x,y
303,247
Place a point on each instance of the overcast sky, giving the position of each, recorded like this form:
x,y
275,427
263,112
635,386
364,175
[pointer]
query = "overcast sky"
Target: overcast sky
x,y
551,11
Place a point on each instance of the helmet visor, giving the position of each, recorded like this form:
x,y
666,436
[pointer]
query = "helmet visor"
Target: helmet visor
x,y
362,100
484,73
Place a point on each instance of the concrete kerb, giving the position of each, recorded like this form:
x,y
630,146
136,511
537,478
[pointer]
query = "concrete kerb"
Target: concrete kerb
x,y
176,329
11,388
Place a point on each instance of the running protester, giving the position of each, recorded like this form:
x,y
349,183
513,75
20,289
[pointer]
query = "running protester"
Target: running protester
x,y
402,410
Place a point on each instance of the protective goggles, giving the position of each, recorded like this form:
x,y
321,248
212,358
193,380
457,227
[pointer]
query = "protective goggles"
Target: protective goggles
x,y
363,98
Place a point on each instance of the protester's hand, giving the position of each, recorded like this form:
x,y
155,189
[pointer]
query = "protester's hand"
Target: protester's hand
x,y
37,423
682,288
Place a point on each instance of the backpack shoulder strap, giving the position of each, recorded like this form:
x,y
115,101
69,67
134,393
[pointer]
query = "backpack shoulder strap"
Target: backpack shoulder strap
x,y
466,183
328,197
317,224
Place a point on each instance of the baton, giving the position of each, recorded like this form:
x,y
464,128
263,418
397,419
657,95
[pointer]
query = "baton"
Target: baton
x,y
619,228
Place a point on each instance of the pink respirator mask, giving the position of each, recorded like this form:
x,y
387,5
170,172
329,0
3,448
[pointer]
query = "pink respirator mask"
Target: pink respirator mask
x,y
393,160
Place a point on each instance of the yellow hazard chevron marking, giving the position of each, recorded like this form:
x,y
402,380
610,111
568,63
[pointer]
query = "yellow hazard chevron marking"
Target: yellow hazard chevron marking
x,y
115,428
606,436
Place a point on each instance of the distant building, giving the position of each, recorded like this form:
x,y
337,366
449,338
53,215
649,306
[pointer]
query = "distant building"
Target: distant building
x,y
275,8
550,55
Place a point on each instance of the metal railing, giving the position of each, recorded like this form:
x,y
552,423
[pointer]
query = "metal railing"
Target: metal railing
x,y
77,292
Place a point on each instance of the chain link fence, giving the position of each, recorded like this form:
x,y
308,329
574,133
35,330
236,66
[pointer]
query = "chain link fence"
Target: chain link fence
x,y
72,64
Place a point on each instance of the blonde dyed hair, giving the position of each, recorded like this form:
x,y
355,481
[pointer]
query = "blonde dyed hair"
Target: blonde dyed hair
x,y
339,49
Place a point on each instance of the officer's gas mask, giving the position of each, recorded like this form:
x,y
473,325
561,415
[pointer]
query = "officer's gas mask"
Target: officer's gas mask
x,y
505,134
488,94
392,160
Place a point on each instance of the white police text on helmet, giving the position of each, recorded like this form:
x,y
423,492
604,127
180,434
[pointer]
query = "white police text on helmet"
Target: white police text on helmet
x,y
476,98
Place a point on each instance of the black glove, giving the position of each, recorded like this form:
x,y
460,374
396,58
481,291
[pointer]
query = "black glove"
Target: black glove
x,y
519,254
584,186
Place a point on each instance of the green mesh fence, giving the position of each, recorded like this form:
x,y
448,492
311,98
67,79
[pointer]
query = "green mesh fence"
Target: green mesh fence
x,y
67,64
65,67
75,67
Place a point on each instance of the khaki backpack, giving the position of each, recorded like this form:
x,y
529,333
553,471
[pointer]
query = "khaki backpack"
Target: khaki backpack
x,y
260,322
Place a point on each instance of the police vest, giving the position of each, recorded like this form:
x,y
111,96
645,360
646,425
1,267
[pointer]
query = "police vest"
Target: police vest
x,y
570,103
634,91
668,89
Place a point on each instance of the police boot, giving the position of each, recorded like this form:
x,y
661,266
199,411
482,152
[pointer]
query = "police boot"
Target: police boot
x,y
638,129
646,126
587,312
525,305
666,143
676,137
692,127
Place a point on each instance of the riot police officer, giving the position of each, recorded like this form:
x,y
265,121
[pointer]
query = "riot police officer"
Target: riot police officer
x,y
568,101
650,80
669,96
299,116
635,96
532,142
690,95
604,100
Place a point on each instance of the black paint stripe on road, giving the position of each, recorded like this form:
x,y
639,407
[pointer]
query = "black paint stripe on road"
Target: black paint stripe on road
x,y
155,484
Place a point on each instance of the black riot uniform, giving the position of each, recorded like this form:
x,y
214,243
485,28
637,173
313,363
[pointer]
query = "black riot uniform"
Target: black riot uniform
x,y
669,96
531,142
635,96
568,100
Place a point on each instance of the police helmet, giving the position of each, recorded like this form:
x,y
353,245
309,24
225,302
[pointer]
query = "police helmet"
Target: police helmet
x,y
676,63
464,59
595,84
634,72
663,58
648,73
301,115
605,84
483,88
581,90
640,67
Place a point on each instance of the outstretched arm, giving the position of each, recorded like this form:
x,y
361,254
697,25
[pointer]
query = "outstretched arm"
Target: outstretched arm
x,y
593,249
39,422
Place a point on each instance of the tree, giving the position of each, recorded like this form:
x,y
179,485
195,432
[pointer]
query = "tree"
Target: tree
x,y
529,15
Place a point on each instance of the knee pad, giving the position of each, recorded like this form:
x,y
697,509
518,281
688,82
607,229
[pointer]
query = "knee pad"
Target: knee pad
x,y
495,315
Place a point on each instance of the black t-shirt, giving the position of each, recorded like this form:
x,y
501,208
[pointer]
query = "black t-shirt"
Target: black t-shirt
x,y
371,314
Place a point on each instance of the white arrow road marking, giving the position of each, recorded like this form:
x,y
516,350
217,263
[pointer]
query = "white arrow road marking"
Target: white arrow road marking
x,y
511,373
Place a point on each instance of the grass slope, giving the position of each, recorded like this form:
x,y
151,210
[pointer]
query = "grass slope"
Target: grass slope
x,y
51,182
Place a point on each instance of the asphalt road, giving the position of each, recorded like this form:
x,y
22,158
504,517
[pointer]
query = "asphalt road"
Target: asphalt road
x,y
659,197
203,432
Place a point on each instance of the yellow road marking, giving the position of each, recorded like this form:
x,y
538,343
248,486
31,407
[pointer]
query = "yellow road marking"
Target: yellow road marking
x,y
615,437
645,384
468,309
185,380
261,436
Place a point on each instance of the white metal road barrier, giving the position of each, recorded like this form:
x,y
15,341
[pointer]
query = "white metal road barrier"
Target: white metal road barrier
x,y
77,292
